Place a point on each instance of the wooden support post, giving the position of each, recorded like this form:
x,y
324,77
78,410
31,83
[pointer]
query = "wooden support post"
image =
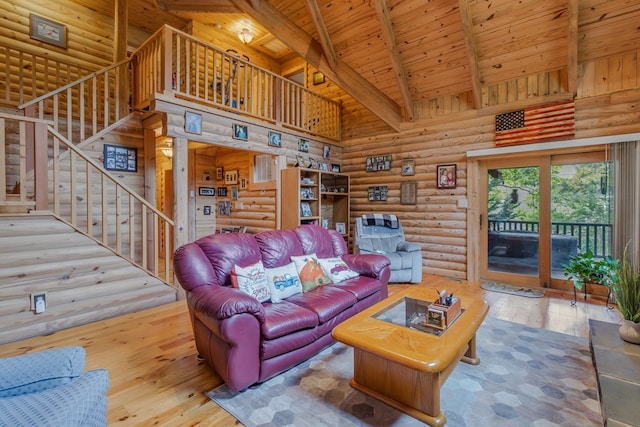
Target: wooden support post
x,y
181,211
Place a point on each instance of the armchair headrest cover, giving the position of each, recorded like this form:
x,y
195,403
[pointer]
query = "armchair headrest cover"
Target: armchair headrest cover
x,y
381,220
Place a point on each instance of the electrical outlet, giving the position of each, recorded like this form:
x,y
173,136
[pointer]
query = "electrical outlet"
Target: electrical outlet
x,y
39,302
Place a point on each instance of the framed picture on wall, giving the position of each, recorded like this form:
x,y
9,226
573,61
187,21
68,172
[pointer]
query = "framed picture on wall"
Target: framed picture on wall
x,y
47,31
408,193
192,122
206,191
275,139
120,158
231,177
303,145
408,167
446,176
240,132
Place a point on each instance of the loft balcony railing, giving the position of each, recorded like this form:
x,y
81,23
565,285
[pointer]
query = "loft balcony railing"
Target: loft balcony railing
x,y
173,62
595,237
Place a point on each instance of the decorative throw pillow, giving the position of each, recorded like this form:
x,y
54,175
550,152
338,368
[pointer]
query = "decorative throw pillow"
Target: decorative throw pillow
x,y
283,282
252,280
337,269
310,272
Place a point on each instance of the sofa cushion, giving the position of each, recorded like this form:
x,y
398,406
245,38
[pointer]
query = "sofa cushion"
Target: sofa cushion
x,y
276,246
325,301
251,280
337,269
284,318
360,286
315,240
310,272
283,282
226,250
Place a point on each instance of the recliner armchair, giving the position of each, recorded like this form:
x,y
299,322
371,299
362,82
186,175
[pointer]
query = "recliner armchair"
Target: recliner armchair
x,y
51,388
383,234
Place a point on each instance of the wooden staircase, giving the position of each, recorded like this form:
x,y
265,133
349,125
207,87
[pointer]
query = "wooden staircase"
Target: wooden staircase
x,y
83,280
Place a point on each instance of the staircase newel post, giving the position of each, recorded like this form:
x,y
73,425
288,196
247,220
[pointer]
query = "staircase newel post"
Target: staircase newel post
x,y
167,61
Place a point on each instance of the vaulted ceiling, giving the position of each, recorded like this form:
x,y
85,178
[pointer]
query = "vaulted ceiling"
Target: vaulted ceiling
x,y
391,54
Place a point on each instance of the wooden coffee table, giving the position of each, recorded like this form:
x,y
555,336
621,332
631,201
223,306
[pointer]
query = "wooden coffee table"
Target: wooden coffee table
x,y
406,367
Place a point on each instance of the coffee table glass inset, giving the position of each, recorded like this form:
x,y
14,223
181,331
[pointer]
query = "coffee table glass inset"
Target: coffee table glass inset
x,y
410,313
405,367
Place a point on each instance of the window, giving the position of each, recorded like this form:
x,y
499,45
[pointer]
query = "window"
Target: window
x,y
263,172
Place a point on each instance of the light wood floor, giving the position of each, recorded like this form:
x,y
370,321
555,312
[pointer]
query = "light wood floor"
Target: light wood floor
x,y
156,379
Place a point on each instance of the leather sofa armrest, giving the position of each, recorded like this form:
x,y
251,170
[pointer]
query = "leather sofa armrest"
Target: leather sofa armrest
x,y
371,265
221,302
408,247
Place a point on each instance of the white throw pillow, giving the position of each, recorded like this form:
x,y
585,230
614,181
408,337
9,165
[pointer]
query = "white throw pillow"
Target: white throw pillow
x,y
283,282
252,280
337,269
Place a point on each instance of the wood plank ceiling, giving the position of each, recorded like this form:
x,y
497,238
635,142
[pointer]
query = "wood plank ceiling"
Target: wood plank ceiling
x,y
390,54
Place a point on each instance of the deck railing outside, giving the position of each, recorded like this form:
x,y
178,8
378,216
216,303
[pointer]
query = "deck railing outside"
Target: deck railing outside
x,y
594,237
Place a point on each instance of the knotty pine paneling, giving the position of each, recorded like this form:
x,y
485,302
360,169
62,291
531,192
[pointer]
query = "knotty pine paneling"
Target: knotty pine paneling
x,y
608,75
436,222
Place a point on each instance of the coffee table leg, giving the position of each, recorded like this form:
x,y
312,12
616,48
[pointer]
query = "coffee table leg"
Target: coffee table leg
x,y
470,356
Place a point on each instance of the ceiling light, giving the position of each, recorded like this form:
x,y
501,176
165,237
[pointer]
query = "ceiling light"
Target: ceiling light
x,y
245,36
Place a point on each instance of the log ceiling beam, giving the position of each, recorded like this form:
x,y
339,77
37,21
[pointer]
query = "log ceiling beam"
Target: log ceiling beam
x,y
572,47
310,49
389,40
472,52
325,39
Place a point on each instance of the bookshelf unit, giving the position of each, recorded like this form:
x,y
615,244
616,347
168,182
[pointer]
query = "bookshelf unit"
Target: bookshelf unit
x,y
311,196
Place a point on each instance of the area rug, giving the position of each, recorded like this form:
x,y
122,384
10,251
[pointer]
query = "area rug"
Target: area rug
x,y
527,377
514,290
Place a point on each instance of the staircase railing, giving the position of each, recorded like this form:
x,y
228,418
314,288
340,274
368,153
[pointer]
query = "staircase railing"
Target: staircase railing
x,y
79,190
173,62
83,108
30,75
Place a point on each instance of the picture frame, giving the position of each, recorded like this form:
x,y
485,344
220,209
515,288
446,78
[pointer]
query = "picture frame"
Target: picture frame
x,y
48,31
240,132
446,176
408,193
300,162
192,122
378,163
220,173
303,145
305,209
231,177
408,167
318,78
222,191
326,152
243,183
206,210
378,193
206,191
335,167
120,158
275,139
341,227
234,193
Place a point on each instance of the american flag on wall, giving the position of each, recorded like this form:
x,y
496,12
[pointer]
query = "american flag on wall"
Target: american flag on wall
x,y
536,124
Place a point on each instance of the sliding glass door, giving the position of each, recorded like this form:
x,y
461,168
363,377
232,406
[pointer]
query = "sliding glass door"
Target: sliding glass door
x,y
538,212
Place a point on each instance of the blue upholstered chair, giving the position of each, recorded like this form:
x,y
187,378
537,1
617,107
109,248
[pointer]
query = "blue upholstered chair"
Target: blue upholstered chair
x,y
382,234
51,388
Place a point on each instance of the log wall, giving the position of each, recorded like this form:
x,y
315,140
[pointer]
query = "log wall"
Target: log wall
x,y
446,129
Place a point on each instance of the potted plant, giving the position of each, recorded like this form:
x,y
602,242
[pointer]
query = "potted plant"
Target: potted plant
x,y
585,268
626,288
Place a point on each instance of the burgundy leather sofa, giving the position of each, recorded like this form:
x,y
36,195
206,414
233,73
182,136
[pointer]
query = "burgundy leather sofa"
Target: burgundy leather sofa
x,y
248,342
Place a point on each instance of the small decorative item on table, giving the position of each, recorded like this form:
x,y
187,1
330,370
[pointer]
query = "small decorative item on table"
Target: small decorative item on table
x,y
445,309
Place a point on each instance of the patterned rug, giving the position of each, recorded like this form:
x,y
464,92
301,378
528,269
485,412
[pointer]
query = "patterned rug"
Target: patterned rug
x,y
514,290
527,377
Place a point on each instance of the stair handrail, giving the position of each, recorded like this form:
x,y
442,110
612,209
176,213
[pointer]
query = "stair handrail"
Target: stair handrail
x,y
148,261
